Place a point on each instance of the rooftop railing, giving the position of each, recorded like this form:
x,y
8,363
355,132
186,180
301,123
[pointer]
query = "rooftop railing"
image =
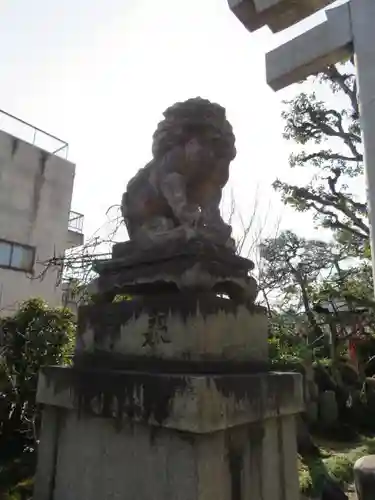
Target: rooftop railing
x,y
75,222
27,132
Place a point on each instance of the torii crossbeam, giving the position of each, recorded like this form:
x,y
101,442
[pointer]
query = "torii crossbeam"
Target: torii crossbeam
x,y
348,28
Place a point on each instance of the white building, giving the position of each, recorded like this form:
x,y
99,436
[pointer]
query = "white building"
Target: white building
x,y
36,221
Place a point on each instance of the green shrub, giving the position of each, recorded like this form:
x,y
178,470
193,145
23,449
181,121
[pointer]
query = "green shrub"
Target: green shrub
x,y
34,337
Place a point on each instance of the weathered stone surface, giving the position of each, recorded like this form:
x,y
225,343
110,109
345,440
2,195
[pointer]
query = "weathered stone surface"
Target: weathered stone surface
x,y
184,327
276,14
179,265
198,247
309,53
95,461
364,477
181,187
47,453
187,402
328,408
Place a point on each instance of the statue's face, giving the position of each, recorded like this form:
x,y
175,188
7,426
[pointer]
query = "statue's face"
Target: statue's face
x,y
207,144
193,149
220,149
197,151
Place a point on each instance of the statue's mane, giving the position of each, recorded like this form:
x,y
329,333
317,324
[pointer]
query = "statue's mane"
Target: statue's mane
x,y
188,118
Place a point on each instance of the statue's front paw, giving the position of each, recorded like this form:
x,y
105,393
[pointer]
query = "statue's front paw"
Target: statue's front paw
x,y
221,229
191,218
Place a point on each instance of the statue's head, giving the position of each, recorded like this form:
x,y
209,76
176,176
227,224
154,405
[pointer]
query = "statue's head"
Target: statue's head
x,y
198,119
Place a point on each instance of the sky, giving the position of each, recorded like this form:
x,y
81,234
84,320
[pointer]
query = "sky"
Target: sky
x,y
99,75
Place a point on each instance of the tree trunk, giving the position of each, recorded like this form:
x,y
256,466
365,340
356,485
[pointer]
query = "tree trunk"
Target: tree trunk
x,y
309,313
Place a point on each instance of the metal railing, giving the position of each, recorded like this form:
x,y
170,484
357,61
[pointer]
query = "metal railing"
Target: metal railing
x,y
75,222
36,136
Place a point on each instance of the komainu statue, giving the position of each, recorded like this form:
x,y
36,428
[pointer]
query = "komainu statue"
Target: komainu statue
x,y
179,190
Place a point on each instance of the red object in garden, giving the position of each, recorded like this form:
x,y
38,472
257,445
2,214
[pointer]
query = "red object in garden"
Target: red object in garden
x,y
353,353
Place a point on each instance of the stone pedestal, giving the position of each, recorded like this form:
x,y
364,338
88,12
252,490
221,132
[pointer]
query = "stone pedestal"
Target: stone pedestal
x,y
169,397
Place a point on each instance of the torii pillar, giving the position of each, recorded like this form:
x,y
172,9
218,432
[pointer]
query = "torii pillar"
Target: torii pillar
x,y
348,28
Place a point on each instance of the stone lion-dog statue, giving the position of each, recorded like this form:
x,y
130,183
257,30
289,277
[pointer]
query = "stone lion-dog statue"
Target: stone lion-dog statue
x,y
180,189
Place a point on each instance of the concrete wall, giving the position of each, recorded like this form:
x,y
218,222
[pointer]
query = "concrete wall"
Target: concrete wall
x,y
35,196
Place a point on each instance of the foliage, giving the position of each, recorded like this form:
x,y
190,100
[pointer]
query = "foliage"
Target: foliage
x,y
337,462
351,289
307,272
34,337
292,266
289,260
330,141
286,347
353,285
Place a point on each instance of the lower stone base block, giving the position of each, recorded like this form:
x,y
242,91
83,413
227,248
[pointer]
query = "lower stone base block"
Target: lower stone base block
x,y
88,459
212,441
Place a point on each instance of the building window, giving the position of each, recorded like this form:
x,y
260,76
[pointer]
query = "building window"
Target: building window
x,y
16,256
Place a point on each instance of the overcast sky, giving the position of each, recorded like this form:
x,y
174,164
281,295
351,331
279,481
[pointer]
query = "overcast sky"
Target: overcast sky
x,y
99,75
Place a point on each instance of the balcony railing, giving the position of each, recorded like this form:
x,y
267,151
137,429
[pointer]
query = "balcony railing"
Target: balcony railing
x,y
75,222
27,132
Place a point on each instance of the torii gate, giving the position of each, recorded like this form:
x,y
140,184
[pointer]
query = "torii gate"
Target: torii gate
x,y
348,28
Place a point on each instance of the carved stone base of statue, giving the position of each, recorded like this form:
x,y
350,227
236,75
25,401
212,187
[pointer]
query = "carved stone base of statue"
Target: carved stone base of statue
x,y
185,302
191,330
170,393
135,434
176,265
